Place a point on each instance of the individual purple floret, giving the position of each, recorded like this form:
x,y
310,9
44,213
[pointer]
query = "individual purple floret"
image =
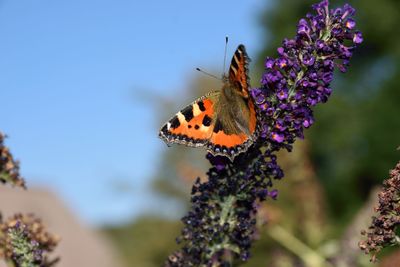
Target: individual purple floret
x,y
221,223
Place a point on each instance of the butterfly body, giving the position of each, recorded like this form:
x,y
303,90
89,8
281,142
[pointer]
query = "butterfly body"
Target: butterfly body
x,y
222,121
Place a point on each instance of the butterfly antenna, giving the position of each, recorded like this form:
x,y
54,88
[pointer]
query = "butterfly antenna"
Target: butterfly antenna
x,y
226,45
206,73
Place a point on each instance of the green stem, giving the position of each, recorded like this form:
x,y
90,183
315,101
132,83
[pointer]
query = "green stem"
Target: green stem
x,y
226,217
304,252
226,208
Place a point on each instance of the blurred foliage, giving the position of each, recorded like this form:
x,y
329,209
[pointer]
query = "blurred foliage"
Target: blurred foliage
x,y
323,200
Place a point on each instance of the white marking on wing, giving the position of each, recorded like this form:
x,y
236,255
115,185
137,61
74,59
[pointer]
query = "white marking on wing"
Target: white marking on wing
x,y
196,109
181,117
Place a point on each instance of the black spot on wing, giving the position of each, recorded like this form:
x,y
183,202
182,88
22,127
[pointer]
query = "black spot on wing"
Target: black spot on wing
x,y
196,127
217,126
201,106
174,122
188,113
206,121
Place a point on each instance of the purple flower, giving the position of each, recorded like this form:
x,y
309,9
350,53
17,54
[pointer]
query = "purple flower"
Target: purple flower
x,y
303,27
280,125
273,194
308,60
219,162
282,62
357,38
307,123
350,24
264,107
282,94
327,77
277,137
259,99
337,31
348,11
269,63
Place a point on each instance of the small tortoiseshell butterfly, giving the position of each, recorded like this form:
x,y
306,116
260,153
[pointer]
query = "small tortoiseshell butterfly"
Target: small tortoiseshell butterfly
x,y
224,122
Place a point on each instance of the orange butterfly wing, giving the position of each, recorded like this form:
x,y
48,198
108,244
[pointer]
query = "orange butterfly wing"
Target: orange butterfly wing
x,y
238,71
193,125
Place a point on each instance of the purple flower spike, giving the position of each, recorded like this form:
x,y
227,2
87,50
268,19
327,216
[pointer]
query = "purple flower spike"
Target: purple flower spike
x,y
313,54
223,207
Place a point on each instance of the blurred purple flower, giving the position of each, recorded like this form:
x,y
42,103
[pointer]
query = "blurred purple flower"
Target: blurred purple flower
x,y
384,229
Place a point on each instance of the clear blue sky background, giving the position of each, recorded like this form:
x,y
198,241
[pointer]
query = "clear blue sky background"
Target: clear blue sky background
x,y
68,75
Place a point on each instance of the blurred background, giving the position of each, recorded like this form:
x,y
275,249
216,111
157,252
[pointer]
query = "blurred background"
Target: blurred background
x,y
85,86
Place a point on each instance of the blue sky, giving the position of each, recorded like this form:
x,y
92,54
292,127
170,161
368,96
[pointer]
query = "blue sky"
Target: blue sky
x,y
70,71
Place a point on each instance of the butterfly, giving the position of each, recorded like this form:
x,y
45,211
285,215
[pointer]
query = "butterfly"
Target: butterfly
x,y
224,121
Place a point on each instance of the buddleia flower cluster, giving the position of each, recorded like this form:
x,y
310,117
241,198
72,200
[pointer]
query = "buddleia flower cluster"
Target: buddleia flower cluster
x,y
24,242
299,78
383,231
220,226
9,168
